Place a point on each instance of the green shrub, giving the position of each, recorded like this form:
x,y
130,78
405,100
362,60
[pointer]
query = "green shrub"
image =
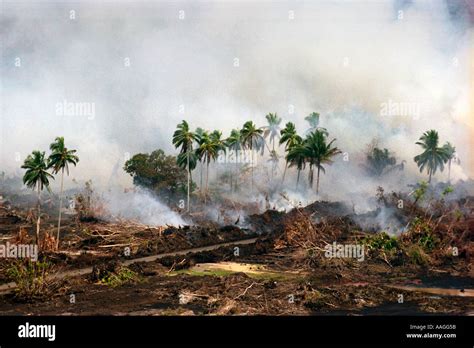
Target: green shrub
x,y
123,276
381,241
31,279
417,255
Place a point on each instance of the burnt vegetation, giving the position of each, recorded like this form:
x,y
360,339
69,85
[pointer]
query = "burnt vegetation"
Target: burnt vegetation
x,y
230,256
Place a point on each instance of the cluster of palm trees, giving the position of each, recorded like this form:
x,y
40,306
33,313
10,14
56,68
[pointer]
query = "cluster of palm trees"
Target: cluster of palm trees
x,y
37,174
433,155
204,146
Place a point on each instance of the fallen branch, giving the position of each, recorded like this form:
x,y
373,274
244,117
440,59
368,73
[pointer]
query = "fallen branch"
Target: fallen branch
x,y
245,291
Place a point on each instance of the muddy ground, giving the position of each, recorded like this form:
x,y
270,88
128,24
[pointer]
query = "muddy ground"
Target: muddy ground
x,y
282,273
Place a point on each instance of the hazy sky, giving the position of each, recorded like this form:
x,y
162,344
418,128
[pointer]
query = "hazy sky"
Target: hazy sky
x,y
143,67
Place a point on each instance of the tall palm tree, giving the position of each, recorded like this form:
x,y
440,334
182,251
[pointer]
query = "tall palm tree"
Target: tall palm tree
x,y
252,138
37,177
59,160
199,132
289,137
220,145
184,138
272,130
274,159
296,157
318,152
233,143
451,153
433,157
208,150
313,120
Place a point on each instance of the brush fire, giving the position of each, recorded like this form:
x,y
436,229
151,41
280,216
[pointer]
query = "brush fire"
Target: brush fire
x,y
351,200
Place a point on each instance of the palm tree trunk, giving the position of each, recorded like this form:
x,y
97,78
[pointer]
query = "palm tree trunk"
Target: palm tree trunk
x,y
449,171
236,174
317,181
207,178
60,206
231,179
284,172
429,179
200,186
189,176
298,178
251,167
38,220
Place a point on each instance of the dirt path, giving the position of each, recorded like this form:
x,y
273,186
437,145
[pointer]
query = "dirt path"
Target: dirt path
x,y
436,291
8,287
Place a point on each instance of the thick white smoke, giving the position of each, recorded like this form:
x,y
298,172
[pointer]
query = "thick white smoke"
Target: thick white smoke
x,y
143,67
140,206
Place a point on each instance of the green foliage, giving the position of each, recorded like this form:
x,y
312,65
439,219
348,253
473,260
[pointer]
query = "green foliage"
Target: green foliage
x,y
184,138
233,142
381,241
36,175
157,172
417,255
433,156
252,137
314,150
61,157
379,161
182,160
421,233
123,276
420,192
318,151
450,150
289,136
209,146
30,278
447,190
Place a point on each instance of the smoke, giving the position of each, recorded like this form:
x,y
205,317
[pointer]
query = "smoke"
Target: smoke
x,y
141,206
131,72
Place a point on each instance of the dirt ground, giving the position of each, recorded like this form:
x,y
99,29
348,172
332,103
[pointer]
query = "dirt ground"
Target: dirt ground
x,y
281,273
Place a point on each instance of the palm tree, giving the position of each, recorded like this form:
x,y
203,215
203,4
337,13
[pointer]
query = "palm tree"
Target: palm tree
x,y
220,145
59,160
289,137
318,152
451,153
184,138
37,177
296,157
199,134
433,157
233,143
251,139
273,128
274,159
379,161
313,120
208,150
